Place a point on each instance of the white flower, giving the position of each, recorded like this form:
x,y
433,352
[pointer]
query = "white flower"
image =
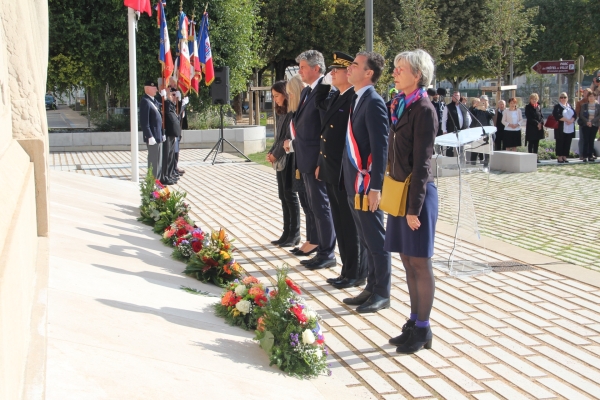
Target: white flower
x,y
309,313
319,352
241,290
243,306
307,336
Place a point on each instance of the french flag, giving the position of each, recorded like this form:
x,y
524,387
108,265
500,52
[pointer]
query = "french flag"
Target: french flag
x,y
164,53
205,52
139,5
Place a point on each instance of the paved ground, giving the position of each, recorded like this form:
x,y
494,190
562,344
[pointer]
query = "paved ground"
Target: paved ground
x,y
513,335
65,117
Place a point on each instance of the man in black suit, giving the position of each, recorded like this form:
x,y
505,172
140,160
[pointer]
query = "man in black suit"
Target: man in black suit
x,y
307,147
151,123
173,132
333,141
363,167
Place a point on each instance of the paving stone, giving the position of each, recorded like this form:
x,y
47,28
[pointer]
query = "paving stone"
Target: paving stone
x,y
555,300
384,325
376,338
345,353
539,322
342,374
471,337
513,346
525,327
586,304
414,366
521,382
460,379
524,277
506,391
444,389
354,339
493,311
562,389
568,362
489,279
566,335
446,336
589,314
517,284
579,285
526,306
449,300
383,362
492,322
410,385
486,288
430,358
449,311
362,392
444,350
475,353
470,368
355,322
565,288
459,294
376,381
443,321
514,362
595,327
566,375
573,351
573,316
395,396
485,396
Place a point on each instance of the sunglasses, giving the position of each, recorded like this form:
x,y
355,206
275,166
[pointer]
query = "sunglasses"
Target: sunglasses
x,y
563,97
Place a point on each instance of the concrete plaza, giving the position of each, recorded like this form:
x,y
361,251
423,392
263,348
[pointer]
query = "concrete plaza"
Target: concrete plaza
x,y
119,326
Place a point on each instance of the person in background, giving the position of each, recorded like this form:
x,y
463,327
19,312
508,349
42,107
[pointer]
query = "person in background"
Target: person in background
x,y
285,173
595,87
438,103
511,119
151,124
589,120
565,115
410,150
534,128
485,117
172,131
499,142
455,117
584,100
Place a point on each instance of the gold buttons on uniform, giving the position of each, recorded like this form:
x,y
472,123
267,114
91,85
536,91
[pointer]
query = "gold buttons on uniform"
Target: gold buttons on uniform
x,y
321,136
325,156
320,152
331,126
324,140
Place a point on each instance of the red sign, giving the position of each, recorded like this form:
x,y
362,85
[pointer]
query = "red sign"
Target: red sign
x,y
554,67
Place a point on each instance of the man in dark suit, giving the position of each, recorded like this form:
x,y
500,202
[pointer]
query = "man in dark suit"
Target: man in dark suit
x,y
307,122
363,167
151,123
333,141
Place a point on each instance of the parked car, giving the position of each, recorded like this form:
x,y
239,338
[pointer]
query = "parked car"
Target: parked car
x,y
50,102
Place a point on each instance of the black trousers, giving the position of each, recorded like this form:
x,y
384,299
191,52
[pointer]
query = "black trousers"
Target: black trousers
x,y
588,135
563,142
372,237
311,229
289,202
532,146
354,259
168,158
319,204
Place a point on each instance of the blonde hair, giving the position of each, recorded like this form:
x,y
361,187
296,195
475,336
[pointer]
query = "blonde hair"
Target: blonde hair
x,y
534,96
294,89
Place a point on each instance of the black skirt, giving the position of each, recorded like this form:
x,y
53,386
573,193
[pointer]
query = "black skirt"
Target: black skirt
x,y
512,138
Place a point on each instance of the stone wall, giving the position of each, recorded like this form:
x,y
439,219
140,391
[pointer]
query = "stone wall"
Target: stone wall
x,y
24,211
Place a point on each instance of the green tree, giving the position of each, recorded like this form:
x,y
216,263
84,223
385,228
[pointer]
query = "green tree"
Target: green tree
x,y
467,69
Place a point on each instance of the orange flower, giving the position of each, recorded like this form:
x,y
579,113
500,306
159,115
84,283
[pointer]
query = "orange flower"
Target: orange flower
x,y
236,267
229,299
226,269
261,324
256,291
222,234
250,279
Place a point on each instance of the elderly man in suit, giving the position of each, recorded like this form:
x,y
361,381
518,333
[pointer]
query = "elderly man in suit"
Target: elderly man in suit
x,y
336,105
151,123
307,122
363,168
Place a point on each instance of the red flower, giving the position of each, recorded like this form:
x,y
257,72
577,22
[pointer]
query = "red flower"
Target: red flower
x,y
181,232
157,182
229,299
292,285
198,235
260,300
179,241
197,246
273,293
297,311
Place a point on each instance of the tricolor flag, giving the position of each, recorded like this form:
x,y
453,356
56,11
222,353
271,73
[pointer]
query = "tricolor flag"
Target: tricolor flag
x,y
195,71
164,53
139,5
205,53
183,79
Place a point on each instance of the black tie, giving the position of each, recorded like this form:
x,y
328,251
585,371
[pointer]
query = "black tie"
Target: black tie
x,y
354,97
307,94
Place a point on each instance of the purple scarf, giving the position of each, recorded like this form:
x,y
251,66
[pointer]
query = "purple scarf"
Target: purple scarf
x,y
402,101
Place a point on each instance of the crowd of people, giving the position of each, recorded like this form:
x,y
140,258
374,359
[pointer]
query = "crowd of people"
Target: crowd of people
x,y
335,138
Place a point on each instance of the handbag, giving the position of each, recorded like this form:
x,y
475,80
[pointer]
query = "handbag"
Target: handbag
x,y
394,195
280,163
551,122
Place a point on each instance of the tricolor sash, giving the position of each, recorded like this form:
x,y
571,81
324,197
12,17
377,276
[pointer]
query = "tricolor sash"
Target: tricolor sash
x,y
363,176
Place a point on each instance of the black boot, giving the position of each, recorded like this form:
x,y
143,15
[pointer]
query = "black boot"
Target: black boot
x,y
406,330
419,338
281,239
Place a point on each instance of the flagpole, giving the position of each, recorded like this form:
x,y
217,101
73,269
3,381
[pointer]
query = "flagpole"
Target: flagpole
x,y
133,106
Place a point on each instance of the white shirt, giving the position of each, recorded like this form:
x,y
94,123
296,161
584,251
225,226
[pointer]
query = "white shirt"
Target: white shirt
x,y
359,94
460,117
568,114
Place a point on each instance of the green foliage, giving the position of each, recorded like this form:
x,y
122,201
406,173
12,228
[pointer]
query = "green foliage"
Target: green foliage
x,y
282,328
170,209
148,210
196,291
208,119
115,123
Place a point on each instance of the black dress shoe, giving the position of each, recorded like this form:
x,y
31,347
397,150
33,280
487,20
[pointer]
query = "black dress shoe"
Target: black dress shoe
x,y
180,171
301,253
289,242
306,262
281,239
295,250
321,263
419,338
358,300
348,283
334,280
374,304
406,329
167,182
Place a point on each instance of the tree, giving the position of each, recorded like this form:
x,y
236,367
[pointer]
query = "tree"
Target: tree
x,y
571,30
455,73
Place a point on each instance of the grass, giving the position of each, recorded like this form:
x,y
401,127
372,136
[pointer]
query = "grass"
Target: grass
x,y
582,170
260,158
196,291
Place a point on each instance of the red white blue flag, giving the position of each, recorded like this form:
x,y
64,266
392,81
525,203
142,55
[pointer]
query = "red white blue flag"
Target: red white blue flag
x,y
164,53
139,5
183,76
205,52
195,69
